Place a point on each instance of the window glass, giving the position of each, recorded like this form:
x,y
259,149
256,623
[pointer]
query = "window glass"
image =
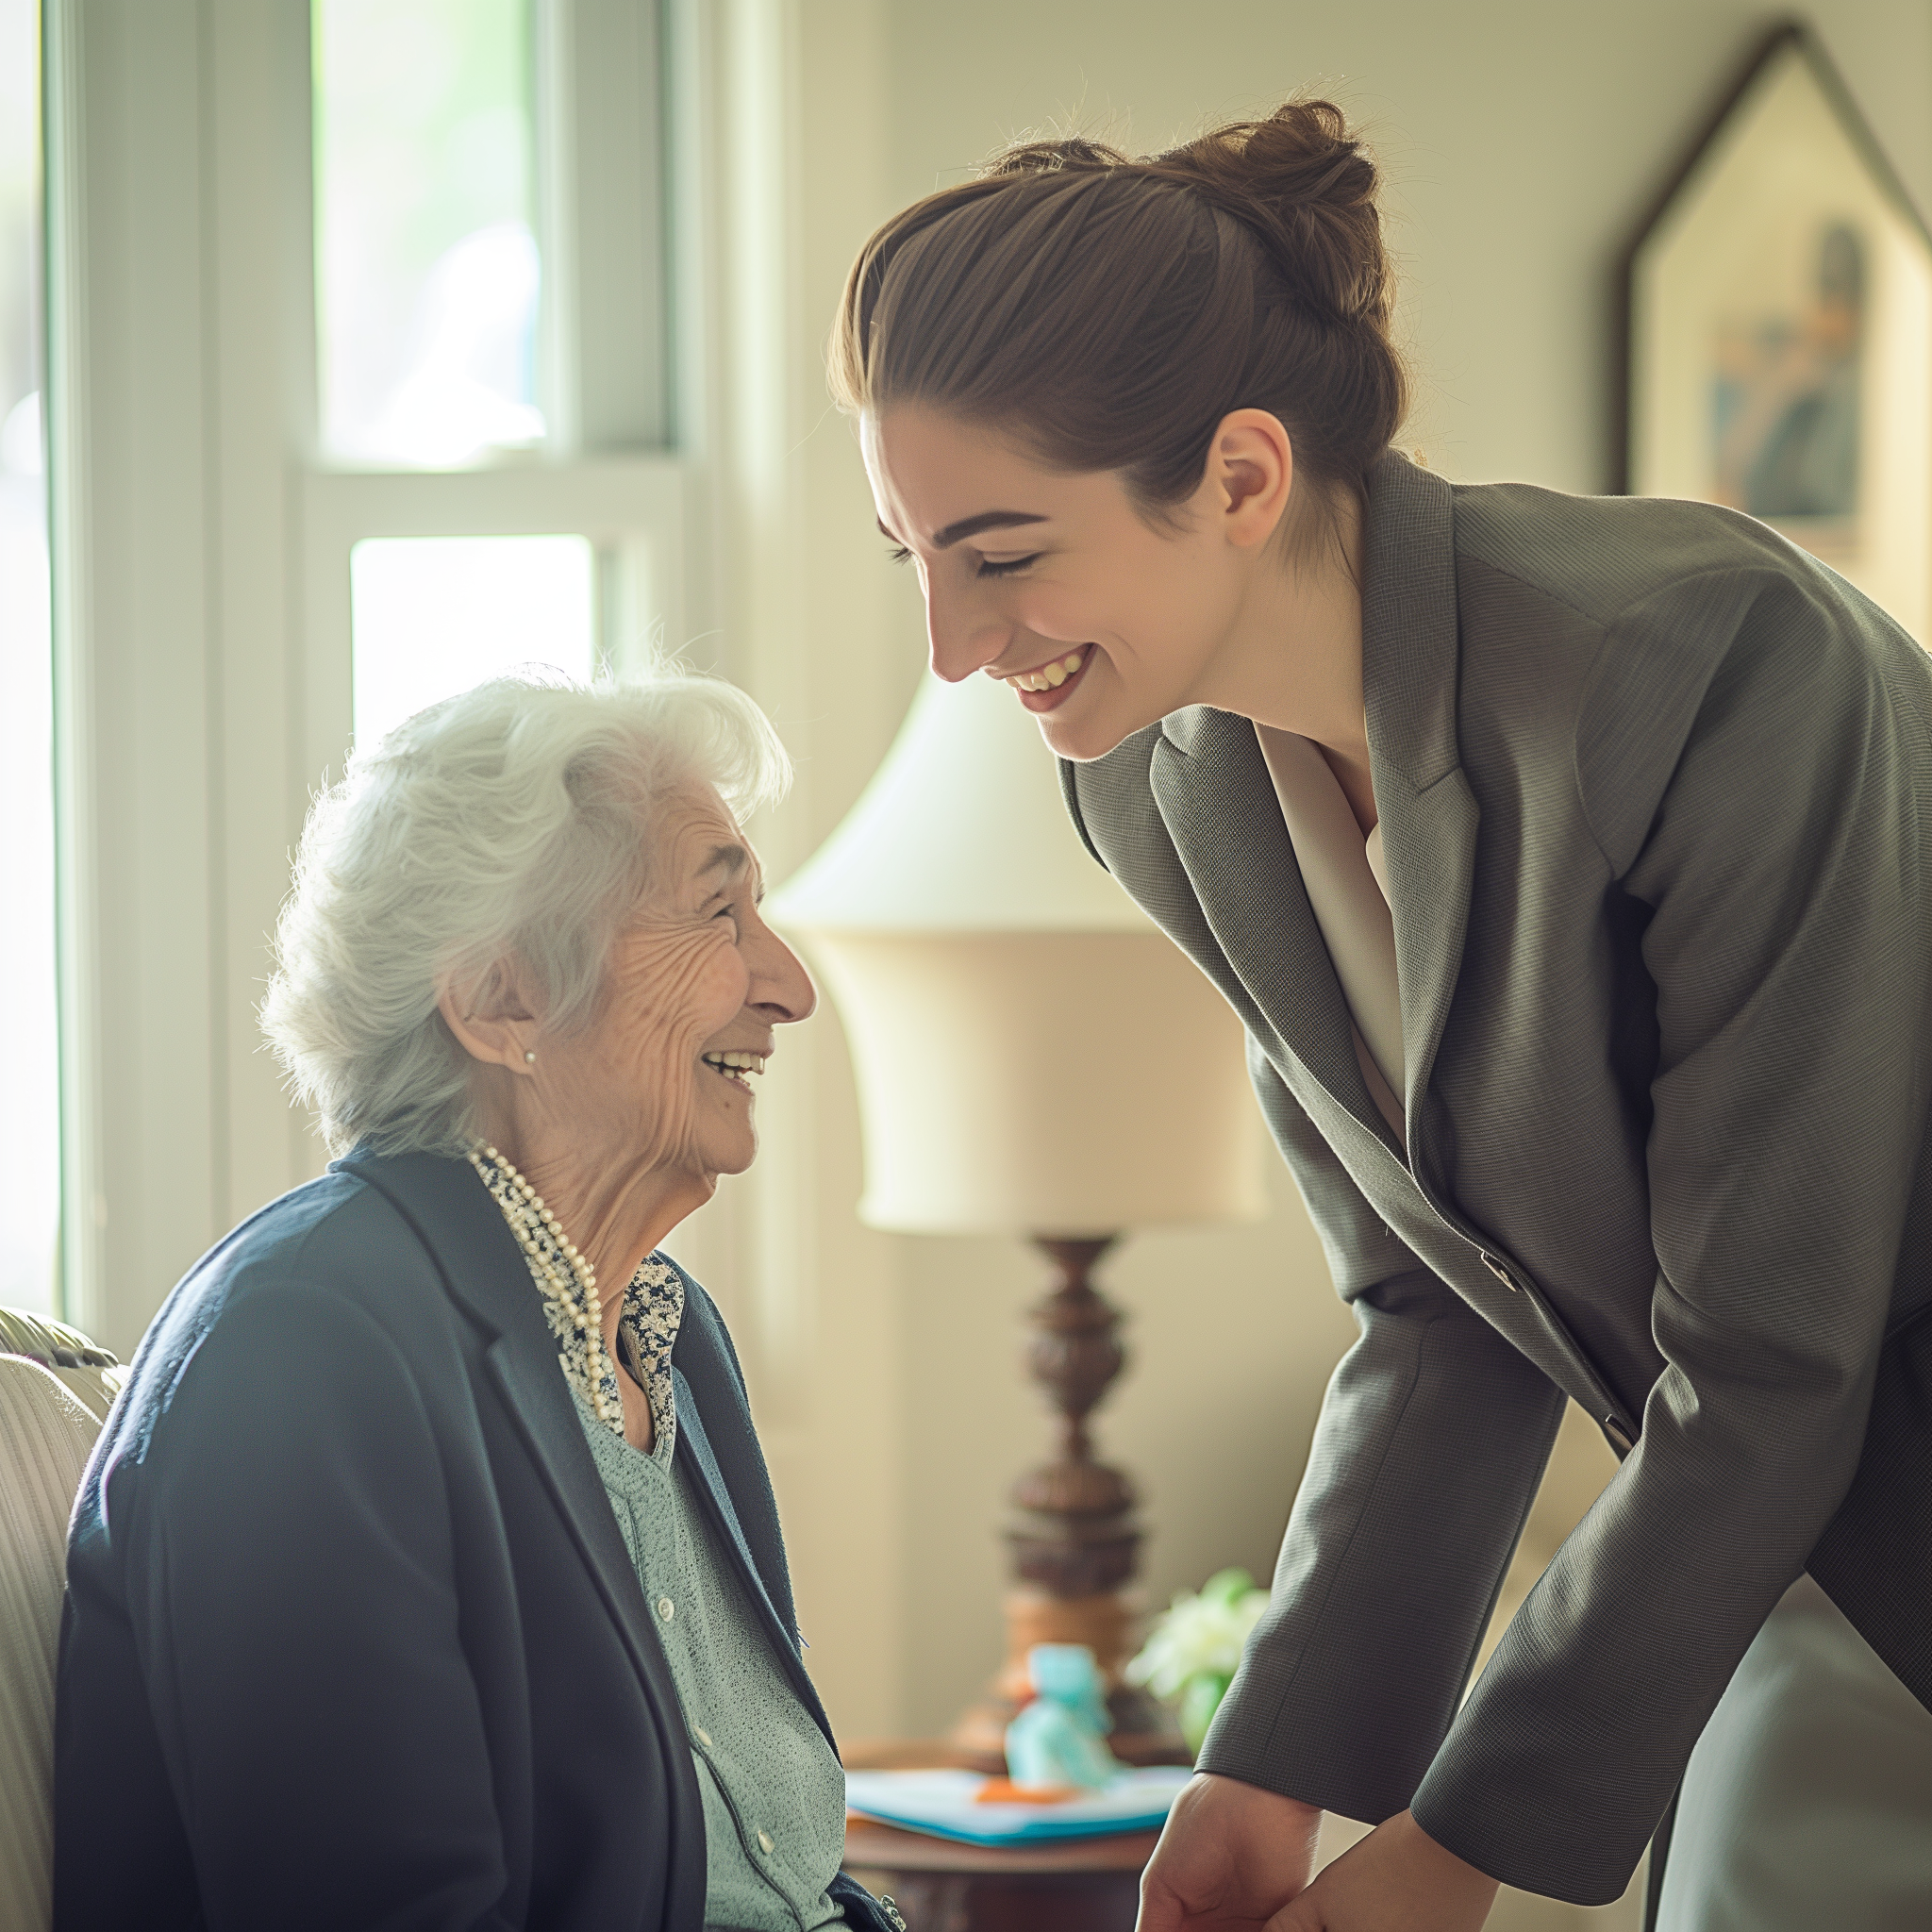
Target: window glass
x,y
427,265
432,616
30,1098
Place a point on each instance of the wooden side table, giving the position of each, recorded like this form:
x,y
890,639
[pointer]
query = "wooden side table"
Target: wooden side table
x,y
1089,1885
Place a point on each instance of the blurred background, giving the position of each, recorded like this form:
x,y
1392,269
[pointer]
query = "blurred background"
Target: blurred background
x,y
353,351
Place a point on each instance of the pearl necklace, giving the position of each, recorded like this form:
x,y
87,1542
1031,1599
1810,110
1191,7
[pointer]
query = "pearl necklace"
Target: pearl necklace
x,y
568,1280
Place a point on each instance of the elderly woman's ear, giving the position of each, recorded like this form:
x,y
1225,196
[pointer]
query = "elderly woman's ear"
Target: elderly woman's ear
x,y
491,1017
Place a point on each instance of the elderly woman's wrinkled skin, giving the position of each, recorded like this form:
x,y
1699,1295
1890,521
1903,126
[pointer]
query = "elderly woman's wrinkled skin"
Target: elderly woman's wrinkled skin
x,y
623,1125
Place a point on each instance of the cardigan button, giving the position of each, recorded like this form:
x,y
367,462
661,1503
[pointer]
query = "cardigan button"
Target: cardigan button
x,y
666,1608
703,1736
765,1841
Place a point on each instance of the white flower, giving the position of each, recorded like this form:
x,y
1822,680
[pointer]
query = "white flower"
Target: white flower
x,y
1199,1636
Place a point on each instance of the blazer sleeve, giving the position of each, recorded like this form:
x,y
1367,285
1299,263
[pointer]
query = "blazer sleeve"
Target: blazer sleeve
x,y
1784,863
327,1750
1431,1444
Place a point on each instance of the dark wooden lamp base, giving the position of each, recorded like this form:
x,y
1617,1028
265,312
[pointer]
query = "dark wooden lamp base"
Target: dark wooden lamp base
x,y
1076,1546
1075,1543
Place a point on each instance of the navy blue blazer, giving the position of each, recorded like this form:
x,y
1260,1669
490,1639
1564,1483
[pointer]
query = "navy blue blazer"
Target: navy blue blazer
x,y
351,1636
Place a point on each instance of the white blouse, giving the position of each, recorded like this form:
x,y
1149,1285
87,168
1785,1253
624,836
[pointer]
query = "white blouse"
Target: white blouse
x,y
1348,888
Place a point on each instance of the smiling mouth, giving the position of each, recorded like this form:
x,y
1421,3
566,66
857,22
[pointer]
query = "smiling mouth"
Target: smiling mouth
x,y
1049,685
734,1067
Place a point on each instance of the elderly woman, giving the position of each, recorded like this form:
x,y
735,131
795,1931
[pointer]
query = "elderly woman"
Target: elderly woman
x,y
428,1573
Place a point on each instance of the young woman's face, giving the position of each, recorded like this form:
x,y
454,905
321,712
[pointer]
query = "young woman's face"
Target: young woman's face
x,y
1032,576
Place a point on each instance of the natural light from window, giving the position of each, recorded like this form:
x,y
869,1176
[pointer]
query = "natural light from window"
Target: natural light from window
x,y
30,1119
427,269
432,616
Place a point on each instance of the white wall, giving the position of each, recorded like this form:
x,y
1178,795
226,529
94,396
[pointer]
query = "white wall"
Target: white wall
x,y
1523,138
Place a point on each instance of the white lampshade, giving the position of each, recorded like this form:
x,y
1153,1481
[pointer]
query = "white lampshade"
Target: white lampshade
x,y
1032,1055
960,830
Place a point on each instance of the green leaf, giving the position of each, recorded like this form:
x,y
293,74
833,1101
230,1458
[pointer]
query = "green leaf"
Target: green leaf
x,y
1200,1699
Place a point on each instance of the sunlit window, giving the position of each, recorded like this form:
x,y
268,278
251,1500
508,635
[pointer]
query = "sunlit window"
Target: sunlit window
x,y
427,270
432,616
29,1101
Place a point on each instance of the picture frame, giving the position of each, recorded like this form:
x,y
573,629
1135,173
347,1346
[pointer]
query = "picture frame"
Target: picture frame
x,y
1778,313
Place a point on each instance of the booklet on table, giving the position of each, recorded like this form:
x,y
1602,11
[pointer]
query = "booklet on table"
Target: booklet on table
x,y
946,1804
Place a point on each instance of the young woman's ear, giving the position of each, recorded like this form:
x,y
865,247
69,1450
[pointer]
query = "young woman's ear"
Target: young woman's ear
x,y
491,1018
1250,476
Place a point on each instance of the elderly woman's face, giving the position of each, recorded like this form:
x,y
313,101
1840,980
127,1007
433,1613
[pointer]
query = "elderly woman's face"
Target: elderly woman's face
x,y
696,983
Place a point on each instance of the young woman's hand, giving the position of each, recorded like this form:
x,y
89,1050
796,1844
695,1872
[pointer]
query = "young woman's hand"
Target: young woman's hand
x,y
1231,1857
1237,1858
1397,1880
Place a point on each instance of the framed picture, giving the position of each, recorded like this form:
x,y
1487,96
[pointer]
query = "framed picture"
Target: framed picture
x,y
1779,316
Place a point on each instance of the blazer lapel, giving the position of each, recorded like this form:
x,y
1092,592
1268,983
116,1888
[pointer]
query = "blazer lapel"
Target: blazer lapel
x,y
1212,789
1410,669
1212,784
485,1271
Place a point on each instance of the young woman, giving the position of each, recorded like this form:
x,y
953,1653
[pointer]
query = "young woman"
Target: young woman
x,y
1569,862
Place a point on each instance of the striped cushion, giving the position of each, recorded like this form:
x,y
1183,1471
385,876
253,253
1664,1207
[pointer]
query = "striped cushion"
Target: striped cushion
x,y
47,1428
93,1374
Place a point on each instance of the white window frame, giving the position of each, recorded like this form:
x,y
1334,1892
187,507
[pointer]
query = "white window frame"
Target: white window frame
x,y
631,510
605,472
201,549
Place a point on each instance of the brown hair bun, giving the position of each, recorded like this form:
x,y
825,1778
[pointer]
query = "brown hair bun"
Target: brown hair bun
x,y
1308,189
1110,312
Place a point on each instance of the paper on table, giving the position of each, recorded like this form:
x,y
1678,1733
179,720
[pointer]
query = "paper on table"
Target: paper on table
x,y
942,1803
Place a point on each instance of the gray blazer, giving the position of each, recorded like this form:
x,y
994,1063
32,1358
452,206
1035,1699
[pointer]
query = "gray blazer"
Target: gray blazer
x,y
1653,790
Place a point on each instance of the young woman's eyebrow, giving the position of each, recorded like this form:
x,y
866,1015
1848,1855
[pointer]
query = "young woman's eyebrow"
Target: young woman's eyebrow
x,y
970,526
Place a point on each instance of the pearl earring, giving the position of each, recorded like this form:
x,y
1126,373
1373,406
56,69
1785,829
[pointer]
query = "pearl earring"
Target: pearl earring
x,y
530,1055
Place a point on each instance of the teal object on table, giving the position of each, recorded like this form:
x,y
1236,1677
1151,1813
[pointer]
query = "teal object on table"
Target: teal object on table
x,y
1060,1739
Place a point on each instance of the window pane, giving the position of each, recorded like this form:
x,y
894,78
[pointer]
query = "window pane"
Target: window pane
x,y
427,265
31,1099
434,615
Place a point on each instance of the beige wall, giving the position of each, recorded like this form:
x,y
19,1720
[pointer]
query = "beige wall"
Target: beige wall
x,y
1522,141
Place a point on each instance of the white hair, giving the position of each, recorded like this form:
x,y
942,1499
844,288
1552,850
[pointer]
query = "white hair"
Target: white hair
x,y
517,822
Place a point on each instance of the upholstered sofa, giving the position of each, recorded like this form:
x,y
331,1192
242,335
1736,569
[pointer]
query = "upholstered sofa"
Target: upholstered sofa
x,y
56,1388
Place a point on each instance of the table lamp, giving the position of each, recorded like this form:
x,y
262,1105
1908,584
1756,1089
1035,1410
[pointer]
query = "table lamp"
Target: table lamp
x,y
1033,1056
